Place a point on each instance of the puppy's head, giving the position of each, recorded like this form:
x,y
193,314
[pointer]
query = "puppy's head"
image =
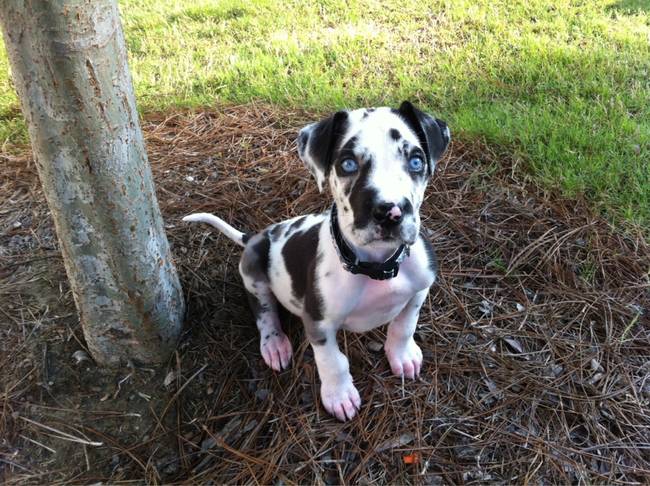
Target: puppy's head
x,y
377,162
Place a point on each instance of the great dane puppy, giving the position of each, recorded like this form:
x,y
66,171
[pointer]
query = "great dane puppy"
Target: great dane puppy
x,y
358,265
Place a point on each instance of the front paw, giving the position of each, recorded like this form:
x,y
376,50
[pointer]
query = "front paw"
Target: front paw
x,y
276,350
341,399
405,358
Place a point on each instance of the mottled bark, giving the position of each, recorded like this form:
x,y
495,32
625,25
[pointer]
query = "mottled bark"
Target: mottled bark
x,y
69,66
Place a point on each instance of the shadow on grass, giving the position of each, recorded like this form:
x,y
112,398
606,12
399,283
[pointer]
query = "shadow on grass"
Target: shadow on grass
x,y
205,13
628,7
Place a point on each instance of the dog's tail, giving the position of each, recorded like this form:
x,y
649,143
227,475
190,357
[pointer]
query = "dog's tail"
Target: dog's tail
x,y
235,235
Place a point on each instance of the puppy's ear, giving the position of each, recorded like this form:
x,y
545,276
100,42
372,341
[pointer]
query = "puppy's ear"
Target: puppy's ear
x,y
318,142
433,133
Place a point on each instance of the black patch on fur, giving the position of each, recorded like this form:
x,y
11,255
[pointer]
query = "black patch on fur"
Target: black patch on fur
x,y
301,259
262,249
365,115
302,143
406,207
313,298
350,145
394,134
246,237
431,254
430,132
324,139
370,110
276,231
255,260
362,198
404,149
296,224
320,342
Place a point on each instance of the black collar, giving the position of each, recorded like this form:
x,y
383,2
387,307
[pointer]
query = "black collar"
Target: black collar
x,y
375,270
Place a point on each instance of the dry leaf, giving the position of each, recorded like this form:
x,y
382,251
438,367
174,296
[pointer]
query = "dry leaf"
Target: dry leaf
x,y
169,379
375,346
80,356
400,441
514,344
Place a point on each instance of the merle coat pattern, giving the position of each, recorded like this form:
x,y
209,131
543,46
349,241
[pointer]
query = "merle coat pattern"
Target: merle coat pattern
x,y
377,163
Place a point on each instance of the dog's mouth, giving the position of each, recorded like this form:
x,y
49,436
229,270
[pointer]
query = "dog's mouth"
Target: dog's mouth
x,y
398,235
391,236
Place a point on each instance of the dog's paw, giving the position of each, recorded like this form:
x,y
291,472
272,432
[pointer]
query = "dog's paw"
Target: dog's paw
x,y
405,358
341,399
276,350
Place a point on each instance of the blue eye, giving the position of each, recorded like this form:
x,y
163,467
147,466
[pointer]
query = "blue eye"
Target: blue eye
x,y
416,164
349,166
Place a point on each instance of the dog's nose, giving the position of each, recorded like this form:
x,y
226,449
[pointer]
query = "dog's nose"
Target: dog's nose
x,y
387,213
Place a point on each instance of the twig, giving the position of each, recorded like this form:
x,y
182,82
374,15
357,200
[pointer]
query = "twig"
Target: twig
x,y
38,443
62,435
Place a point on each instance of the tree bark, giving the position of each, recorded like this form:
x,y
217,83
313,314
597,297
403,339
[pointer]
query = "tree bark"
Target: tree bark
x,y
69,66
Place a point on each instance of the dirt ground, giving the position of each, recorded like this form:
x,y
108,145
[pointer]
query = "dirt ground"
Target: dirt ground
x,y
536,338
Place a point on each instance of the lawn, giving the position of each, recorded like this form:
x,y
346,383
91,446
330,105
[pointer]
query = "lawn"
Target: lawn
x,y
564,86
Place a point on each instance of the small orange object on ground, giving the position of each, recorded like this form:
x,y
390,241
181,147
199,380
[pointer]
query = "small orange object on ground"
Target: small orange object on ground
x,y
411,458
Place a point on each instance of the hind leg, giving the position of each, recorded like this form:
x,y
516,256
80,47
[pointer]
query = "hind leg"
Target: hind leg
x,y
274,343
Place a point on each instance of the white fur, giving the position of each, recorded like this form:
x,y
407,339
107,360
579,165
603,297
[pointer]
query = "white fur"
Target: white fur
x,y
220,224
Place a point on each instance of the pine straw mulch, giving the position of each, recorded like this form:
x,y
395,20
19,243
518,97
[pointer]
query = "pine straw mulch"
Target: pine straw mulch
x,y
536,338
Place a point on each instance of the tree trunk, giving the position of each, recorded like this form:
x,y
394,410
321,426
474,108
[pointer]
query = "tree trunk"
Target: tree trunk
x,y
69,65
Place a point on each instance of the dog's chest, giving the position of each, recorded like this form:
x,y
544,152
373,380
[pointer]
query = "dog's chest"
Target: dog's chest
x,y
378,302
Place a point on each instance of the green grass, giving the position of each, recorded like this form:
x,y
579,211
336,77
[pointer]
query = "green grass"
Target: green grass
x,y
563,85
